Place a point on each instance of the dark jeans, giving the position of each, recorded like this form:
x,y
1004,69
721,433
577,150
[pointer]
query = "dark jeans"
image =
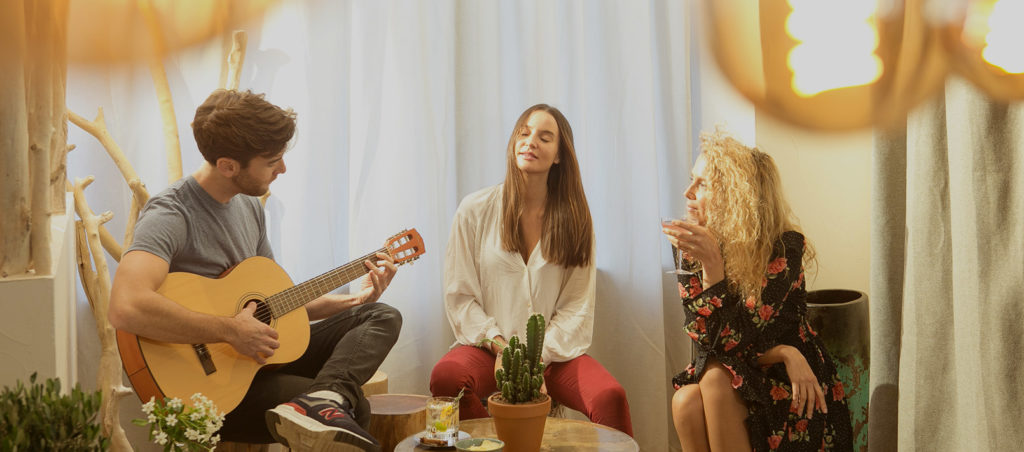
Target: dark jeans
x,y
344,351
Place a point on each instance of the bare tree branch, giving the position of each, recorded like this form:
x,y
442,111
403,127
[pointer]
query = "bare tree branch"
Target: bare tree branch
x,y
236,58
15,223
172,146
109,372
39,106
59,116
98,129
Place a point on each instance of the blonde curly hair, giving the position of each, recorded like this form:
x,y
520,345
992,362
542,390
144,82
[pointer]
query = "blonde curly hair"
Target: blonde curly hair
x,y
745,209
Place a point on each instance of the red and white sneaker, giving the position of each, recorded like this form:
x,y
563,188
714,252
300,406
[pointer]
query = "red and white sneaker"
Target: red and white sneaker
x,y
316,424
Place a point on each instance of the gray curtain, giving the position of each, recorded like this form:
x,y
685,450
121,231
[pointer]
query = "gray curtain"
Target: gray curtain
x,y
947,265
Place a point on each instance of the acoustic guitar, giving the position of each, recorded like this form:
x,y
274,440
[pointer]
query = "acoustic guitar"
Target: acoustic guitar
x,y
160,369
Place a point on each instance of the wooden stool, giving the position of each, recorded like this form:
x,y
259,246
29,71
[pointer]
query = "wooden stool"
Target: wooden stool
x,y
378,384
393,417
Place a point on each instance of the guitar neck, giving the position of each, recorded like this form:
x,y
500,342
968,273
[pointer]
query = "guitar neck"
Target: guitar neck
x,y
298,295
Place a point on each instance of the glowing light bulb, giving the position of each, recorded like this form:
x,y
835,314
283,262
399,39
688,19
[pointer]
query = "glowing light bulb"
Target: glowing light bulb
x,y
837,41
829,64
1004,35
983,37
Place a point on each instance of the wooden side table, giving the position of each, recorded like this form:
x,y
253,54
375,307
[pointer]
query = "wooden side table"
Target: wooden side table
x,y
396,416
559,435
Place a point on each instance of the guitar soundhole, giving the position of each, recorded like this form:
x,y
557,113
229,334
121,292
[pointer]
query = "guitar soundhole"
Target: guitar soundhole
x,y
262,313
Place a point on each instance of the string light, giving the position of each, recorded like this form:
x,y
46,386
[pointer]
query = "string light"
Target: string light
x,y
1004,36
828,64
985,41
836,44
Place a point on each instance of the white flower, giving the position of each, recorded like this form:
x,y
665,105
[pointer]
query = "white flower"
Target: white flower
x,y
189,426
174,404
148,406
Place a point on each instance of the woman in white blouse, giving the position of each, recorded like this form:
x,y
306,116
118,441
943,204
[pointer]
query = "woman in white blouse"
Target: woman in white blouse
x,y
524,247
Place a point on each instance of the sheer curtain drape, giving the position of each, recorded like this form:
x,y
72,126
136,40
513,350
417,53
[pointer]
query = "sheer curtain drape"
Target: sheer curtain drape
x,y
947,259
404,107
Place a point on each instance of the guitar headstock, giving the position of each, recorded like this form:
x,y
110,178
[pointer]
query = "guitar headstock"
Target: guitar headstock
x,y
405,247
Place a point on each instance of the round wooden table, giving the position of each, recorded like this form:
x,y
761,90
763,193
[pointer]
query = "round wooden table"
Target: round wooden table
x,y
559,435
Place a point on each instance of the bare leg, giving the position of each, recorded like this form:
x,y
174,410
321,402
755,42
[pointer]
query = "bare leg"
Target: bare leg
x,y
688,418
724,410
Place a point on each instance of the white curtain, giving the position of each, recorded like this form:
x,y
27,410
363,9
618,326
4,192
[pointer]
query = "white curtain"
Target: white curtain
x,y
404,107
947,259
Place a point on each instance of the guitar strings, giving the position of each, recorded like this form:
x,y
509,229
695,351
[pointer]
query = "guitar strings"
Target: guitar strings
x,y
298,295
265,310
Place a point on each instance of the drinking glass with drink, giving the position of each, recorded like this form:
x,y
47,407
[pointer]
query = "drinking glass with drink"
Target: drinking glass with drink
x,y
683,264
443,419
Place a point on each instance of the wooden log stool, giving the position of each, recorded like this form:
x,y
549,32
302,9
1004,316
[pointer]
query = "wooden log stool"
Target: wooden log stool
x,y
393,417
378,384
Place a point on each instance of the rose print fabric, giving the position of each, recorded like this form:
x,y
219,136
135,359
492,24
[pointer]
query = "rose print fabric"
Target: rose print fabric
x,y
736,331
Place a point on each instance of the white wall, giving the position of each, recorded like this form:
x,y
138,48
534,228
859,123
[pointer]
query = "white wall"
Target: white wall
x,y
37,328
827,179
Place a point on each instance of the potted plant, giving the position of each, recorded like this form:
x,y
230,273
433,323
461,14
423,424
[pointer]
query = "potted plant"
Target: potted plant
x,y
520,410
39,417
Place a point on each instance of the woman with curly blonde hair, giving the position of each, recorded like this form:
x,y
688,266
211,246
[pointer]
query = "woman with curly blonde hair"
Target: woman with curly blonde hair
x,y
760,371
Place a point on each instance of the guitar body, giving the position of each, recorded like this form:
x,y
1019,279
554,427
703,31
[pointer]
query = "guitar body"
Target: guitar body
x,y
160,369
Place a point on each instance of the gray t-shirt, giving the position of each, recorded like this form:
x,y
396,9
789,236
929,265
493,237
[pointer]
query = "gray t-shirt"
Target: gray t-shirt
x,y
195,233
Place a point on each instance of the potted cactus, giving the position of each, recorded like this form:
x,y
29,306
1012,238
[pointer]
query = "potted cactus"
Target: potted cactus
x,y
520,409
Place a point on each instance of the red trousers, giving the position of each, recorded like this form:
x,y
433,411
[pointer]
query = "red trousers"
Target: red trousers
x,y
582,384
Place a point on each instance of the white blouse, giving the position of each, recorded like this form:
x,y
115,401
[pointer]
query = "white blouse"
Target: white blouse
x,y
490,292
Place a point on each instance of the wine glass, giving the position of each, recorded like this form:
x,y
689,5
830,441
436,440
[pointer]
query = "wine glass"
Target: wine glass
x,y
681,266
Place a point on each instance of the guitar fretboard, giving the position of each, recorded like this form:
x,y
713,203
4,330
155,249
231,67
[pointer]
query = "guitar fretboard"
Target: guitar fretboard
x,y
298,295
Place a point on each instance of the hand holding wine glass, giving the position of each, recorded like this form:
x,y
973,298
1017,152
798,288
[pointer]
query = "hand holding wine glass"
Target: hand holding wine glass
x,y
699,248
670,226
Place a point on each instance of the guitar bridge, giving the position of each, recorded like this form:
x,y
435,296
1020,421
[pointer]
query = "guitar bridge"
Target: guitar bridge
x,y
204,358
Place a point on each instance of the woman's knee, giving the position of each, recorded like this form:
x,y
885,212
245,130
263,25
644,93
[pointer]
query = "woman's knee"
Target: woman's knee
x,y
716,386
448,377
688,404
613,397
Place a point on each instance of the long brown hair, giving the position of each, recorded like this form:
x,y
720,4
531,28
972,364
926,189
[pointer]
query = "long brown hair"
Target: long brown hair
x,y
748,212
568,230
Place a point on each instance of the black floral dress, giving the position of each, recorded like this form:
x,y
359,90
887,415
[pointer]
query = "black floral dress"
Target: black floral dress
x,y
737,331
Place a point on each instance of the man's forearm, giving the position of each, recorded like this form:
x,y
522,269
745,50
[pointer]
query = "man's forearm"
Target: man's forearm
x,y
156,317
330,304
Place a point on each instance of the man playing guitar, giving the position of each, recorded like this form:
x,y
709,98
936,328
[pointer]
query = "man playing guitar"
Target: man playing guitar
x,y
211,221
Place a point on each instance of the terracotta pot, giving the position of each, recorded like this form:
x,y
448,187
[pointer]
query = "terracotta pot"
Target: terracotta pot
x,y
521,425
841,319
